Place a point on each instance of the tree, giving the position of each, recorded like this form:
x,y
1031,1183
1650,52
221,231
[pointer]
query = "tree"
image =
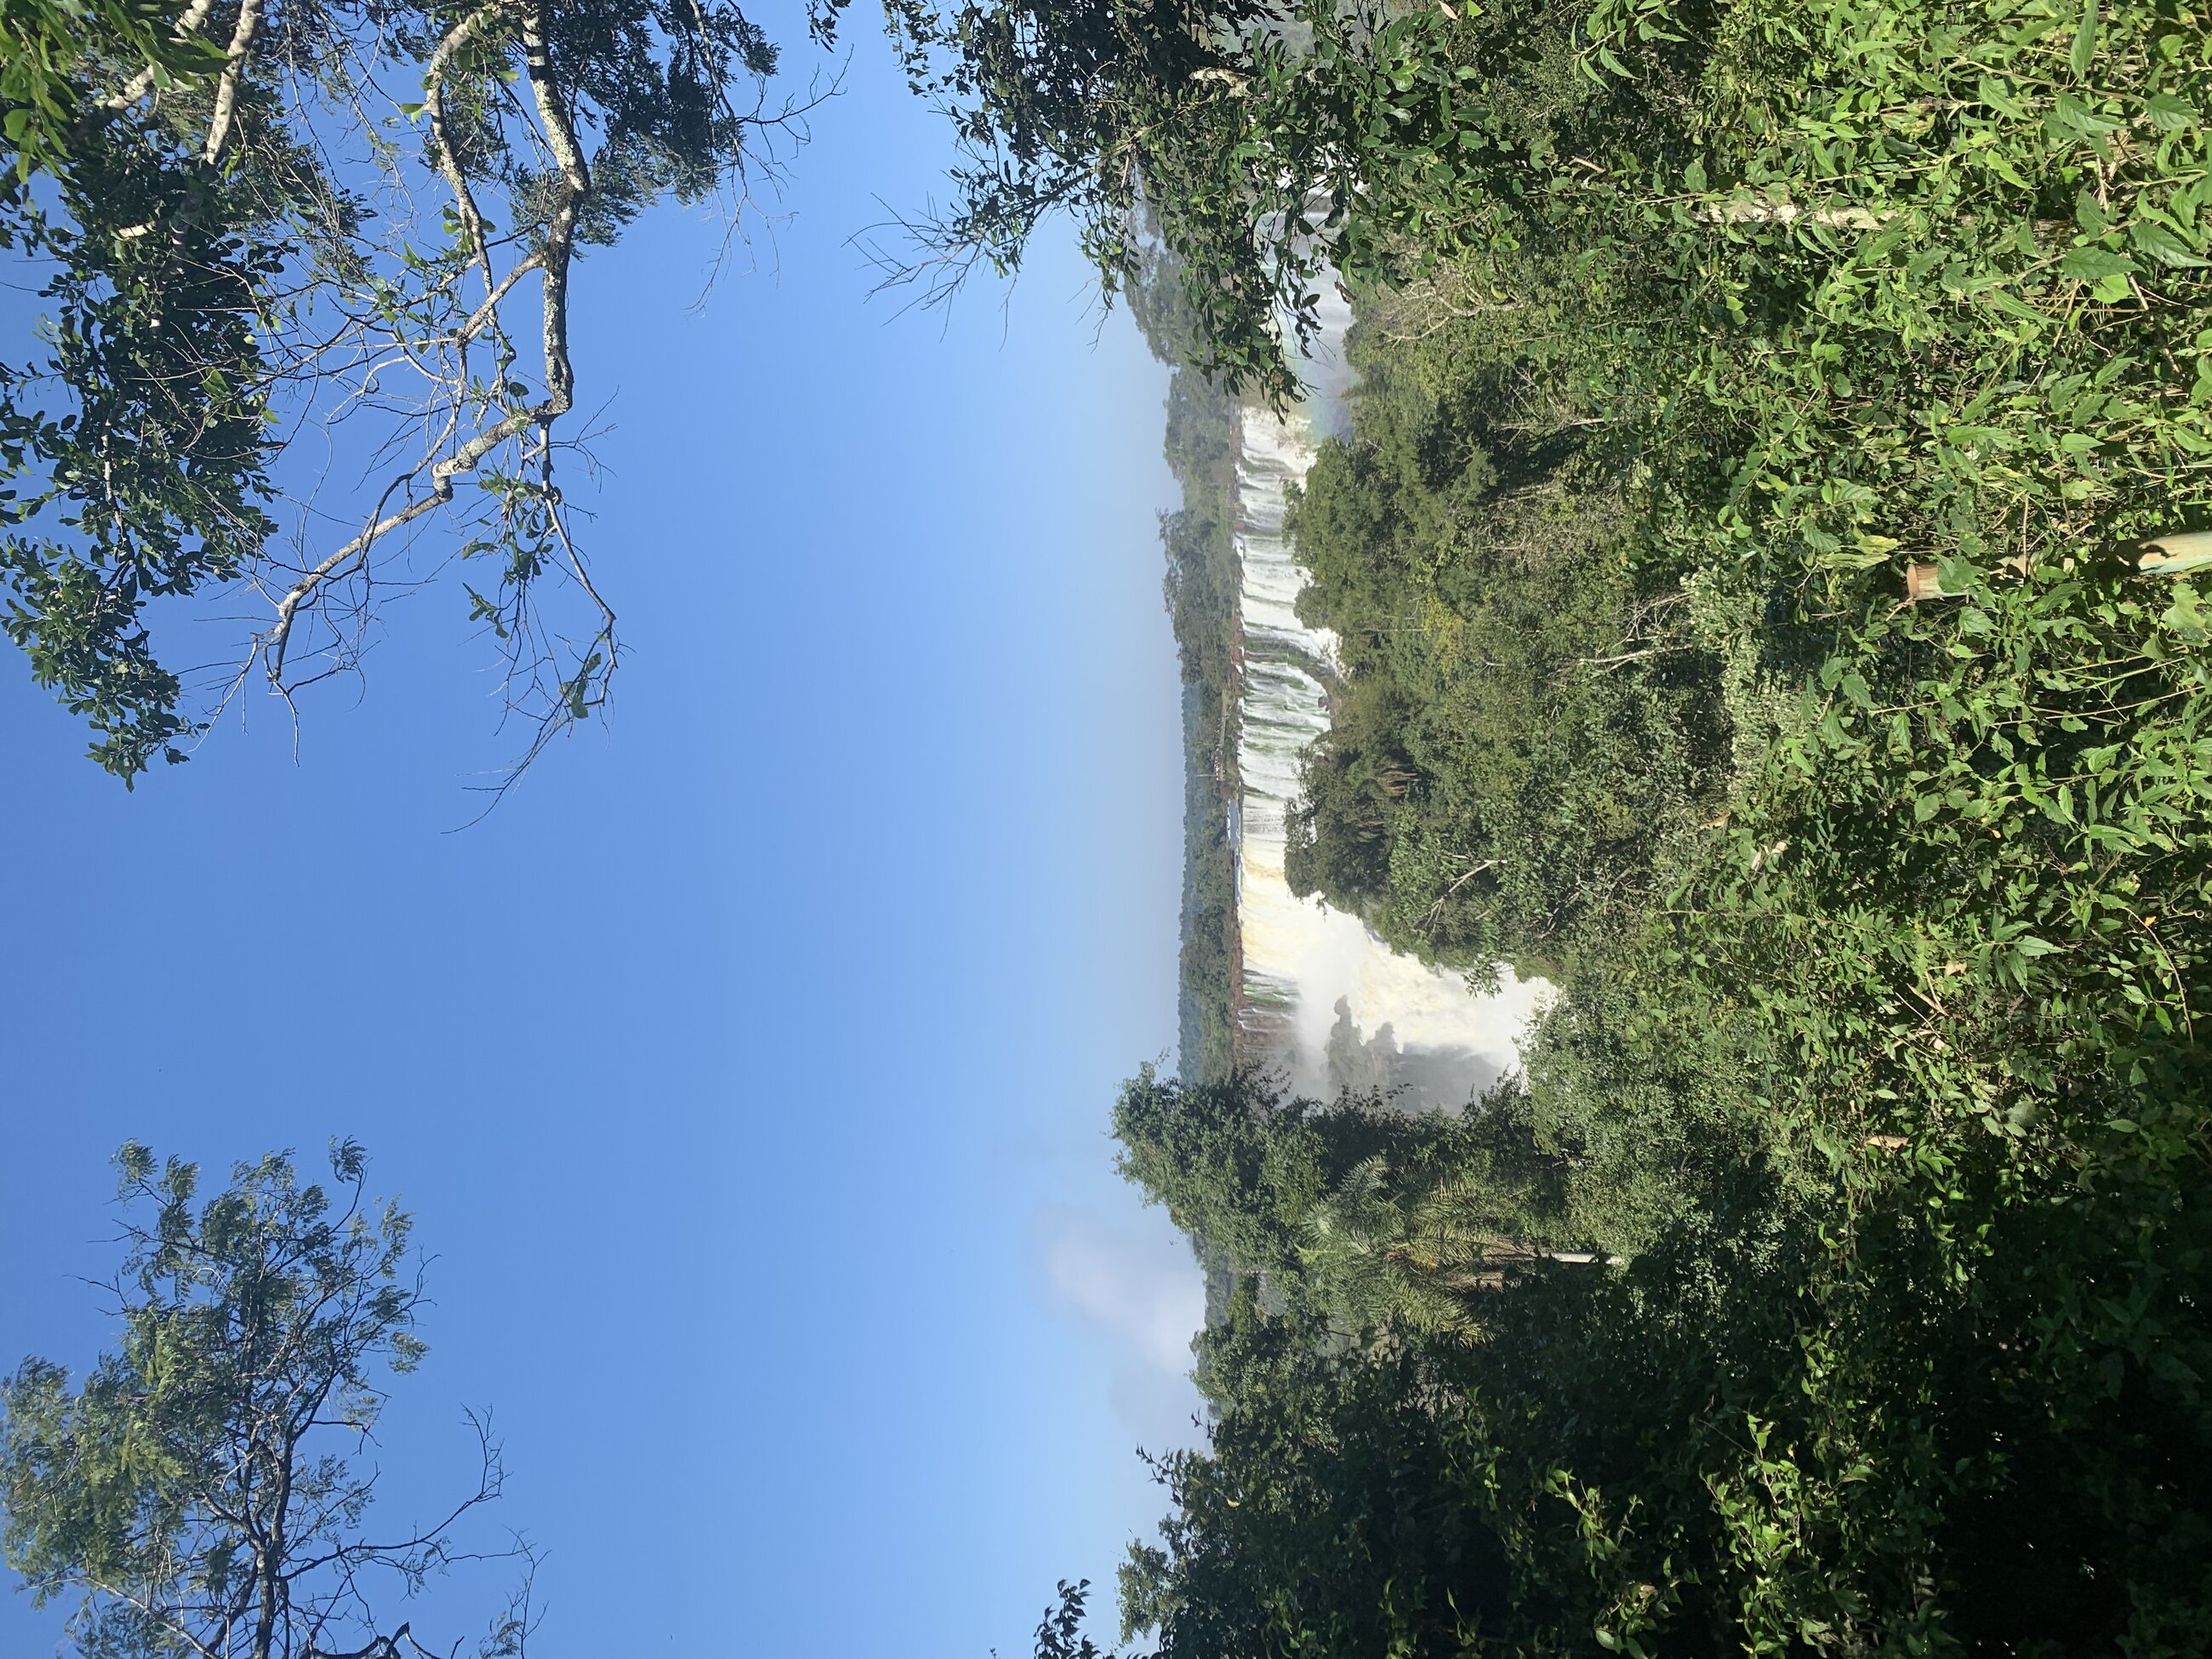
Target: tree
x,y
45,47
1527,719
202,1493
1376,1218
1242,127
254,225
1273,146
1237,1163
1334,1510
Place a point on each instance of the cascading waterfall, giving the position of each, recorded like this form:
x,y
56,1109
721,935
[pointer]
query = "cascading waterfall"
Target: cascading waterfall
x,y
1320,996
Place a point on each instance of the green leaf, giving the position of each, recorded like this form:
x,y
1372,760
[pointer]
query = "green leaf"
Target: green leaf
x,y
2090,265
1997,96
2183,615
483,609
2069,117
1998,301
2085,39
2163,245
2169,114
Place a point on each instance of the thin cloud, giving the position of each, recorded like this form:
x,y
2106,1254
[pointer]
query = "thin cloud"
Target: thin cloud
x,y
1143,1286
1137,1289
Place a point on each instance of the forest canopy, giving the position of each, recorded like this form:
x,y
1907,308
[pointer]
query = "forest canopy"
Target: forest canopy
x,y
1763,560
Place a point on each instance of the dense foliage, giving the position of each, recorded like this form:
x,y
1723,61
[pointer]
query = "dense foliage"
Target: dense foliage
x,y
1526,717
1741,557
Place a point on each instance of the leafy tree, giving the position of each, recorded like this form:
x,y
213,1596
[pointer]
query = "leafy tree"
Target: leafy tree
x,y
1330,1512
1527,719
1871,1407
1240,1163
247,235
201,1494
1373,1215
1275,145
1059,1634
1226,121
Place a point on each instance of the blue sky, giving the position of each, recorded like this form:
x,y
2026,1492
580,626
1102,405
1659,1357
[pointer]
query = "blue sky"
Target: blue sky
x,y
748,1070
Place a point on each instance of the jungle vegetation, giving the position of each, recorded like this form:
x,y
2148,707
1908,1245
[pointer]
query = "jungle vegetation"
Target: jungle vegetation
x,y
1763,553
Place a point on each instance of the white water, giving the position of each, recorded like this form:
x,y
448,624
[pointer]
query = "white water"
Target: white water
x,y
1302,957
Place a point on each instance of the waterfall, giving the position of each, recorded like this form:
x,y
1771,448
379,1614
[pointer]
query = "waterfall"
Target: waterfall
x,y
1321,997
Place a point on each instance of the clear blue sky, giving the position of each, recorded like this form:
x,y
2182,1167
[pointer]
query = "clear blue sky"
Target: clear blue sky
x,y
748,1071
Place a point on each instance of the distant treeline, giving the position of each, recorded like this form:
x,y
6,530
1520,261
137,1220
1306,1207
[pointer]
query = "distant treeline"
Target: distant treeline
x,y
1201,597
